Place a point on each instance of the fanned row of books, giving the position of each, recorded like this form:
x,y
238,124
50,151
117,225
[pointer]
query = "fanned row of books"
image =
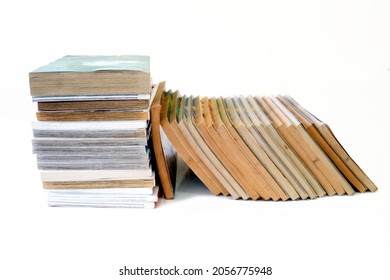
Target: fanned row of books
x,y
92,133
268,148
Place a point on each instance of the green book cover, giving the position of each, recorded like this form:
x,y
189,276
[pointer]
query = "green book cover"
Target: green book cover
x,y
90,63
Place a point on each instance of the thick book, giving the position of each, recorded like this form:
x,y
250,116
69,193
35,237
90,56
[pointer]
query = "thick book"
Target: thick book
x,y
92,75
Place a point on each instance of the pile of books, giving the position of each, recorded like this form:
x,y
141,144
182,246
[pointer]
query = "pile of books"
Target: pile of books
x,y
101,126
268,148
92,133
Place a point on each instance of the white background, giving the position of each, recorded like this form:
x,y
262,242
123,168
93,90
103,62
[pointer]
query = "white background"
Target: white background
x,y
332,56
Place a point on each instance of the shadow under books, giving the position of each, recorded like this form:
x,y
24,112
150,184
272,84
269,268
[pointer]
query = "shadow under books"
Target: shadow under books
x,y
188,185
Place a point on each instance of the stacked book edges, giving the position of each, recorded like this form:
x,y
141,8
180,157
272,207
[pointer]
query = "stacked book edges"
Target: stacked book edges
x,y
92,135
268,148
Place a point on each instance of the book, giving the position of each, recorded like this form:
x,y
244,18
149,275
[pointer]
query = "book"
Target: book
x,y
101,184
95,175
91,97
163,149
91,129
122,197
92,75
115,104
93,115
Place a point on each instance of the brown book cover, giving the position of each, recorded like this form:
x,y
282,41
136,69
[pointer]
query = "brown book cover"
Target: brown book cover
x,y
164,152
99,184
114,115
133,104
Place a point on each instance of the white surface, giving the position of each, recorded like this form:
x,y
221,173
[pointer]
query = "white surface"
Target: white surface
x,y
315,51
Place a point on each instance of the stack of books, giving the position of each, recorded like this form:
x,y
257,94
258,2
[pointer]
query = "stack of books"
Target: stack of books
x,y
268,148
92,133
